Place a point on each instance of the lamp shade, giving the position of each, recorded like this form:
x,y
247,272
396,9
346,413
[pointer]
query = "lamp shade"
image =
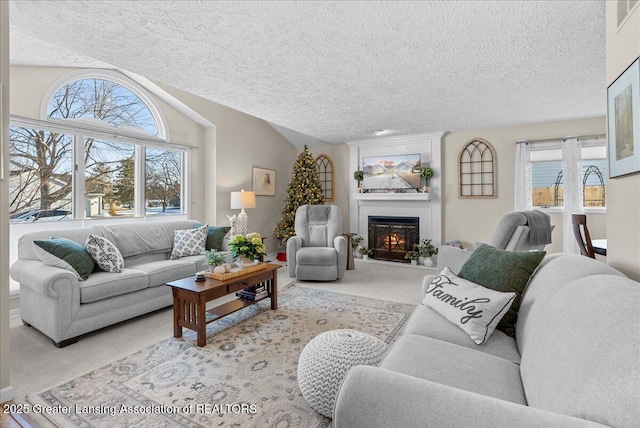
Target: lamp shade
x,y
243,199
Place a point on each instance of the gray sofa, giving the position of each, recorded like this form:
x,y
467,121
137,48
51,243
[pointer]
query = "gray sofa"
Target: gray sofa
x,y
574,361
55,302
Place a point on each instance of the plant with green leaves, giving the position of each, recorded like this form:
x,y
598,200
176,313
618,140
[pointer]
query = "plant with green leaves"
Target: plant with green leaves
x,y
411,255
214,258
365,251
358,176
249,246
355,241
425,248
426,173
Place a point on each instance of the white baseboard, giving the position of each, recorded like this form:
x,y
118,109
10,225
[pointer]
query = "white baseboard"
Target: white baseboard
x,y
6,394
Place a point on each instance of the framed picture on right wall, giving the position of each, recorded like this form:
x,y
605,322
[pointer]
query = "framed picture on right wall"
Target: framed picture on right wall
x,y
623,112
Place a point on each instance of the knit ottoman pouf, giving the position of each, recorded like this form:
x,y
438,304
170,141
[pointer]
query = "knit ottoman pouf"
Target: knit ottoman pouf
x,y
326,359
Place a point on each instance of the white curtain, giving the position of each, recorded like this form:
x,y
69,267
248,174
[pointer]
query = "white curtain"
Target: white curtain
x,y
572,182
523,201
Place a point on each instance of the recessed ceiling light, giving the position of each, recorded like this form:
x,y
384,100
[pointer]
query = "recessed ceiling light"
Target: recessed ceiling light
x,y
383,132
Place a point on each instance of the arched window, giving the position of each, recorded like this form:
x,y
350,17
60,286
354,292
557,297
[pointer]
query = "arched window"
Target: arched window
x,y
477,170
102,152
104,100
326,174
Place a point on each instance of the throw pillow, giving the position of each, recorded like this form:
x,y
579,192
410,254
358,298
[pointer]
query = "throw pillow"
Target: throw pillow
x,y
472,307
104,253
500,270
215,236
65,254
189,242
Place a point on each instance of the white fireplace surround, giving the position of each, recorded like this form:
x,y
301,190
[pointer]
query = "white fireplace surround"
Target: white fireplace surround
x,y
426,206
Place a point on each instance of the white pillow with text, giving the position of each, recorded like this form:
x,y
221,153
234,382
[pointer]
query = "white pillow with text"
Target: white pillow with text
x,y
472,307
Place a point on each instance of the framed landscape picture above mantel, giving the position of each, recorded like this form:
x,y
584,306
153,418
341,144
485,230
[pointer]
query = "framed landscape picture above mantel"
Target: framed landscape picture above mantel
x,y
391,173
264,181
623,112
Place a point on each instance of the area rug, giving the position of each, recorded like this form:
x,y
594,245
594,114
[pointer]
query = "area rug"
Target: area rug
x,y
244,376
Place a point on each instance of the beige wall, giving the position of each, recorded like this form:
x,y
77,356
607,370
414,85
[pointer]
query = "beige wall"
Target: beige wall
x,y
474,220
240,142
623,193
5,384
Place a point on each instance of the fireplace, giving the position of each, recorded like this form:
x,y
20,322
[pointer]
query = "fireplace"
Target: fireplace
x,y
391,237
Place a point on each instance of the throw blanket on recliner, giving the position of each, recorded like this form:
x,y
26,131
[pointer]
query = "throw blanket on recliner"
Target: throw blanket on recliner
x,y
539,227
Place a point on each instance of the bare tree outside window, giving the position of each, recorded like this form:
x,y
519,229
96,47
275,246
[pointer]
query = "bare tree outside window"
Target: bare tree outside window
x,y
42,161
40,171
163,178
109,180
104,100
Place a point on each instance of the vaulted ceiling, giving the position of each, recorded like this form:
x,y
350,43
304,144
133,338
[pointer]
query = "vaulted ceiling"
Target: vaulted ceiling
x,y
339,71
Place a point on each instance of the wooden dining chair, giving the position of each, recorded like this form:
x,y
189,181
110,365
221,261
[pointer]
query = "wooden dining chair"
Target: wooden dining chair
x,y
581,233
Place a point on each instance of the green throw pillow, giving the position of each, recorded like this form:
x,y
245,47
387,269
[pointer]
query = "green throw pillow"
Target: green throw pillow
x,y
505,271
215,236
66,254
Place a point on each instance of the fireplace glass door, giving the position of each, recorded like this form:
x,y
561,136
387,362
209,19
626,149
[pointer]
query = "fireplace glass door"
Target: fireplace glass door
x,y
391,237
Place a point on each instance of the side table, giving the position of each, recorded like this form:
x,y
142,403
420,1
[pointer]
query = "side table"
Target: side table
x,y
350,264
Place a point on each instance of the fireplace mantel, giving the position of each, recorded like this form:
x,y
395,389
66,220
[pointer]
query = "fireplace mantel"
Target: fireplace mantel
x,y
426,206
392,196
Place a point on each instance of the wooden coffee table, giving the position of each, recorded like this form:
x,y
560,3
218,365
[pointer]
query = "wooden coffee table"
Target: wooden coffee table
x,y
190,298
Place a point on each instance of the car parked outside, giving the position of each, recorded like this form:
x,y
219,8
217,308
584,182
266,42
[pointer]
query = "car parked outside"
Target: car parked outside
x,y
39,215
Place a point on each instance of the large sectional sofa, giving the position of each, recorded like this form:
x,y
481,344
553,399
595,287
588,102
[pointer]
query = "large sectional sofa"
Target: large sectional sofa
x,y
62,307
574,360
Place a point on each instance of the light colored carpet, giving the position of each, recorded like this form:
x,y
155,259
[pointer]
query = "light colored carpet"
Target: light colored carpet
x,y
244,376
36,364
380,280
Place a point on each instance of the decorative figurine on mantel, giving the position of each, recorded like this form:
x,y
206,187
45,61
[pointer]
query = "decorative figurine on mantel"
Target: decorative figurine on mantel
x,y
233,219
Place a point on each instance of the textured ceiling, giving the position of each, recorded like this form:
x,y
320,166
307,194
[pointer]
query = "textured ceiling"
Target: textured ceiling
x,y
338,71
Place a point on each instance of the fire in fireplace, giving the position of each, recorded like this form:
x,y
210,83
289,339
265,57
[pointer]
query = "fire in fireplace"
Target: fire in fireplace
x,y
391,237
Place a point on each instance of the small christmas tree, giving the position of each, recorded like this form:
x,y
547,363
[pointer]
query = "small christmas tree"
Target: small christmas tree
x,y
304,189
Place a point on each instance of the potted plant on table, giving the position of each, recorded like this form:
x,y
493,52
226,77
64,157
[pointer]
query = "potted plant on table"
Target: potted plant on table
x,y
426,250
412,256
214,258
246,248
366,252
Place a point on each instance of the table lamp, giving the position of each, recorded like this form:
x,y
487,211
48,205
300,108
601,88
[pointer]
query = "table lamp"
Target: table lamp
x,y
243,200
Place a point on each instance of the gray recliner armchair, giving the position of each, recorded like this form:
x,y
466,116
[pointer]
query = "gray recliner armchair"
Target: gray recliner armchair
x,y
318,251
523,231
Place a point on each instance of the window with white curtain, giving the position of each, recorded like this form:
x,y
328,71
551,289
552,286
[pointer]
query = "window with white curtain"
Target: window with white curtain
x,y
547,175
568,175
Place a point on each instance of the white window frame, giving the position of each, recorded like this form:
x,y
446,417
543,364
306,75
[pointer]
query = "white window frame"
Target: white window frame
x,y
81,129
111,76
556,144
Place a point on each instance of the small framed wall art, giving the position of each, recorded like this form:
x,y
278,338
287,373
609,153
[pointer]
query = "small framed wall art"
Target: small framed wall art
x,y
264,181
623,112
